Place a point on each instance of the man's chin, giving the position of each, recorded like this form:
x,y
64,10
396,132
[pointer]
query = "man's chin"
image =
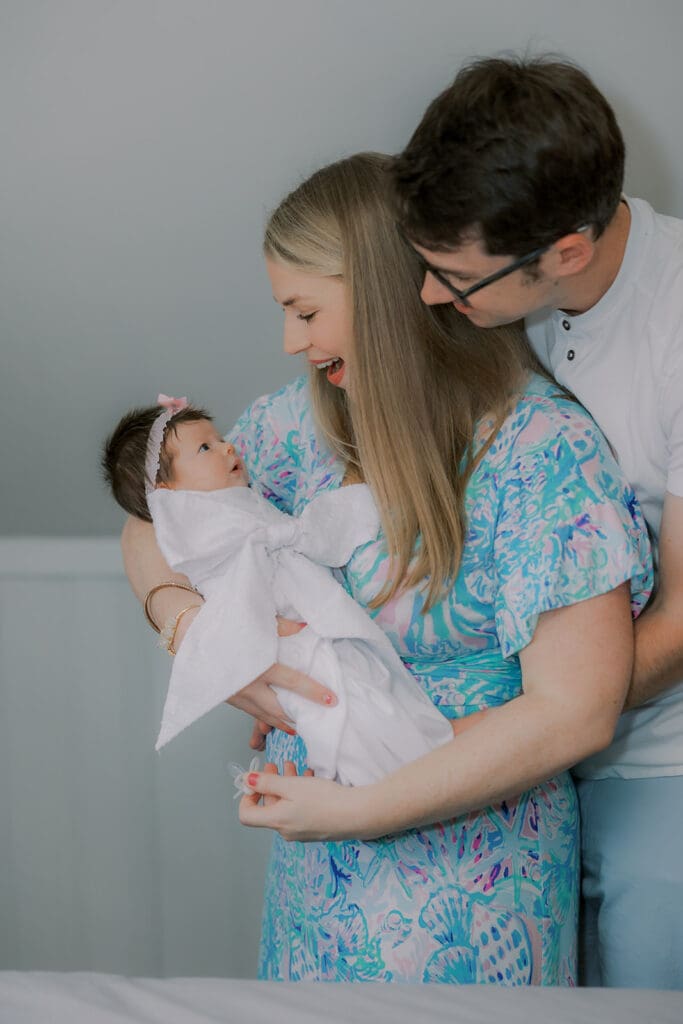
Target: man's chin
x,y
483,319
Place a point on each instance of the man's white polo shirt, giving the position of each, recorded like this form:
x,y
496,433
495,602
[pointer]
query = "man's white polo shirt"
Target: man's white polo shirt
x,y
623,359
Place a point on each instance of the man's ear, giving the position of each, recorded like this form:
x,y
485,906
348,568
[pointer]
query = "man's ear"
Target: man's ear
x,y
571,254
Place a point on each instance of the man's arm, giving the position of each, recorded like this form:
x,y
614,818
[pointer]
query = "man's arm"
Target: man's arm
x,y
659,630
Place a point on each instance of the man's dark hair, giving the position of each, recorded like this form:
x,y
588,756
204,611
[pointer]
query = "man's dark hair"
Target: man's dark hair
x,y
125,450
516,152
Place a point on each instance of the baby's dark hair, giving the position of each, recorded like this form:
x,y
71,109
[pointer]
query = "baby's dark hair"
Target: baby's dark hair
x,y
125,451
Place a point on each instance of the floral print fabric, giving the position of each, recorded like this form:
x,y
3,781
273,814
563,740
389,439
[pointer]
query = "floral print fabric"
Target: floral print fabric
x,y
491,896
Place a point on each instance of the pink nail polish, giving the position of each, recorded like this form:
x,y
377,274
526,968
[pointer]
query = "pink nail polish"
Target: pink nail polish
x,y
328,699
252,779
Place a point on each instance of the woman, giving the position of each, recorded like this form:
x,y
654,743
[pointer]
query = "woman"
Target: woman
x,y
502,578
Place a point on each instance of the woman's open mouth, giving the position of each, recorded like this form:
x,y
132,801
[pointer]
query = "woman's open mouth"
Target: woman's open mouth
x,y
334,369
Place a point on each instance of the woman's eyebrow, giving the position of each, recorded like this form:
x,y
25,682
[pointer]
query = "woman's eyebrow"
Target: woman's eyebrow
x,y
292,300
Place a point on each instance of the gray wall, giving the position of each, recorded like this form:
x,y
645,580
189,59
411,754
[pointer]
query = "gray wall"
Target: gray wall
x,y
143,143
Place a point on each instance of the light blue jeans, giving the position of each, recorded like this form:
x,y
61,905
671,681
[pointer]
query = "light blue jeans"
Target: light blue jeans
x,y
632,882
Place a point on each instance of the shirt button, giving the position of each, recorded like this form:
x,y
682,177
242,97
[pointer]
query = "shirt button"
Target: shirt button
x,y
566,324
570,354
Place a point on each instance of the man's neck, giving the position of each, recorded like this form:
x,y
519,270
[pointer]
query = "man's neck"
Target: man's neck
x,y
582,292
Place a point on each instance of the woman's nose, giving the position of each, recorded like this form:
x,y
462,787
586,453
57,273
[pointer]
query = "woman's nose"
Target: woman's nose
x,y
294,338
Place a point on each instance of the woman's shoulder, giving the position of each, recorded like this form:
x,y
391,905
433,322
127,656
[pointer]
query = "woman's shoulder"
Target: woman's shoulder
x,y
550,452
277,437
544,416
285,408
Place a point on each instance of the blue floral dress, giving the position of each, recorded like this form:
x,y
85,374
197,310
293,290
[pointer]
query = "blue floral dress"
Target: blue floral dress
x,y
490,896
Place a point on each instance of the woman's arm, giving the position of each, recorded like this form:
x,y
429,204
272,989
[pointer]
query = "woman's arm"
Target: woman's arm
x,y
146,566
575,674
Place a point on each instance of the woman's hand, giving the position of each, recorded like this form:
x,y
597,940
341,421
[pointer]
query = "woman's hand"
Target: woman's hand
x,y
258,699
302,809
257,740
289,770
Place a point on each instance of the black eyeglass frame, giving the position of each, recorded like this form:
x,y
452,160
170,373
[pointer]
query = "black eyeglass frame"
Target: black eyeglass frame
x,y
462,295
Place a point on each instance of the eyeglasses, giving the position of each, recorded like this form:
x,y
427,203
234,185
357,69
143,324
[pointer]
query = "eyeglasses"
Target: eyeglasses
x,y
462,295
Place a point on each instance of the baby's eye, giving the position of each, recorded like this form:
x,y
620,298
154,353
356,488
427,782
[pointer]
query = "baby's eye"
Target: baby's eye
x,y
205,447
307,317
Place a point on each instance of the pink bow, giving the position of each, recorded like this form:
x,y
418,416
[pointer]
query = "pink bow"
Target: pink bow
x,y
174,405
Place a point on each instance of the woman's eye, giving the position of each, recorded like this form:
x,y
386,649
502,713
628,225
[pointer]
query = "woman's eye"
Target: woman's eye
x,y
307,317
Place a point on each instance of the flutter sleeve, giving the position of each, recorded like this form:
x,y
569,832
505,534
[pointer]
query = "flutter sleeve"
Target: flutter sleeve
x,y
268,437
569,526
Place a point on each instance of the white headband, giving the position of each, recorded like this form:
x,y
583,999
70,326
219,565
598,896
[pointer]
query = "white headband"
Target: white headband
x,y
156,437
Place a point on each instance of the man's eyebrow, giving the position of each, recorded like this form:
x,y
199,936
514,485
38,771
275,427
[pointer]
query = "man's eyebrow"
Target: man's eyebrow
x,y
449,271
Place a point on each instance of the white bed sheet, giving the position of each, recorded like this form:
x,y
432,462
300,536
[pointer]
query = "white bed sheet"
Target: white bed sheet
x,y
35,997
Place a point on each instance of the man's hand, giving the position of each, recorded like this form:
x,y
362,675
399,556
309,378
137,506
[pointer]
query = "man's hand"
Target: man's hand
x,y
659,630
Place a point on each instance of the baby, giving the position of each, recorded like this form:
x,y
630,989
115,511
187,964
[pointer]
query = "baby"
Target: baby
x,y
252,563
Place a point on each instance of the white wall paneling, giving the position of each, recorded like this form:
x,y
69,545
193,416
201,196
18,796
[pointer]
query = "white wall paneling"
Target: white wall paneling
x,y
112,857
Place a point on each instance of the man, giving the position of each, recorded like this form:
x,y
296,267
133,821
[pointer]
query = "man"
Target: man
x,y
510,194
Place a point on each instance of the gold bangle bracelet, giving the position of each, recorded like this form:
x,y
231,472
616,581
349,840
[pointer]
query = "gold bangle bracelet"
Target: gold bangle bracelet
x,y
168,633
163,586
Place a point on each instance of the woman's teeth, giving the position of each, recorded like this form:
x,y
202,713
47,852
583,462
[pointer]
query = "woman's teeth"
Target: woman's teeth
x,y
323,366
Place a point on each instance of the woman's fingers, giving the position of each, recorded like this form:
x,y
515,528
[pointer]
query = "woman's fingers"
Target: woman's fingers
x,y
305,809
259,701
289,627
270,787
269,769
290,679
258,734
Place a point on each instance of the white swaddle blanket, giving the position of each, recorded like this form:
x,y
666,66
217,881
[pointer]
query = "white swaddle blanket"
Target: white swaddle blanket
x,y
252,562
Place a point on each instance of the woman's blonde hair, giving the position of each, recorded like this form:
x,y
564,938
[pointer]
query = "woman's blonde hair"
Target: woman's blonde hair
x,y
421,378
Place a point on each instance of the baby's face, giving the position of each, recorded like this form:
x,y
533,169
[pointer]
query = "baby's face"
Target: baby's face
x,y
202,461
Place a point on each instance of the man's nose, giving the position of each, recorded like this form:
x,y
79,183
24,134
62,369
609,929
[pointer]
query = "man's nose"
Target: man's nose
x,y
433,293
